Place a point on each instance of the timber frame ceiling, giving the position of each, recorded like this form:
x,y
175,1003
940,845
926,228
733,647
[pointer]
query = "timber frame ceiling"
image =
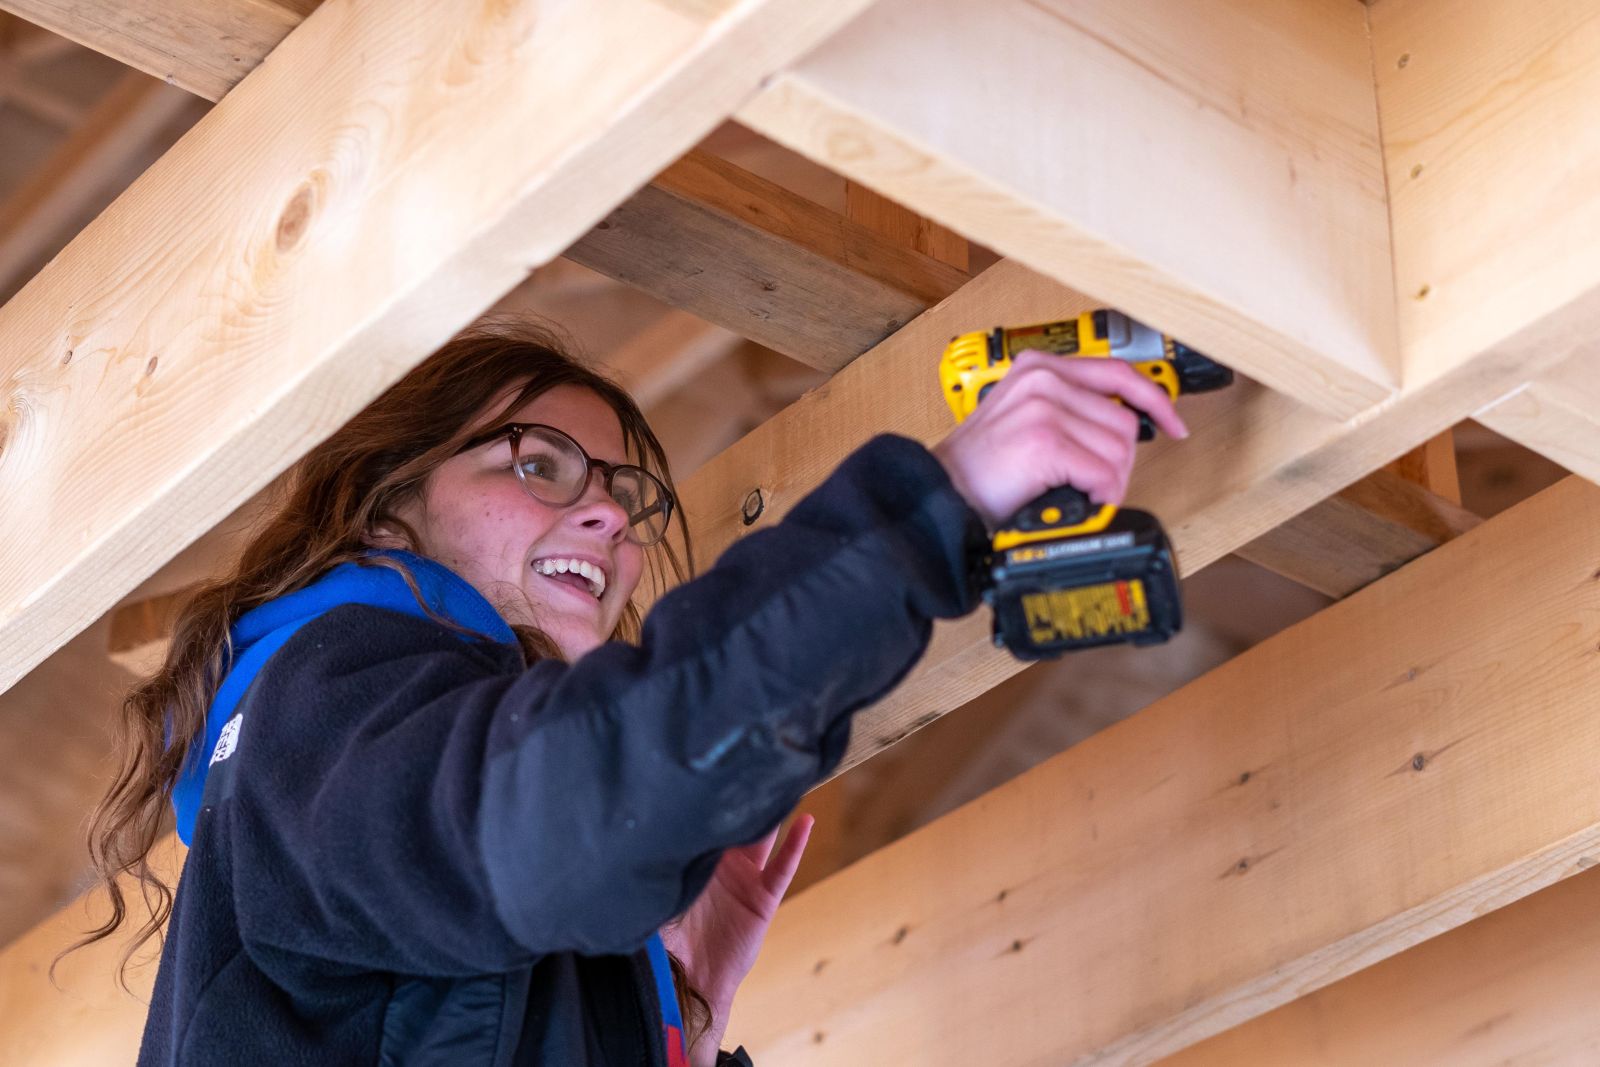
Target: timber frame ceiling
x,y
1386,217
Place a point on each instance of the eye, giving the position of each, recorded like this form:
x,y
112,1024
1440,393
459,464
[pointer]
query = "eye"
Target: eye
x,y
543,466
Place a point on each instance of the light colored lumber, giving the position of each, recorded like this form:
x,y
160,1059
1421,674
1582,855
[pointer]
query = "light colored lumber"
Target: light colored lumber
x,y
1432,465
903,226
1493,157
1359,534
1515,986
1285,820
203,46
1211,169
1558,415
748,255
338,216
91,1021
92,156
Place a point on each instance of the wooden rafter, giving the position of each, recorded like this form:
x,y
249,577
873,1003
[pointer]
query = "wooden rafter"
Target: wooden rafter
x,y
1094,164
351,248
1359,534
744,253
204,46
1285,820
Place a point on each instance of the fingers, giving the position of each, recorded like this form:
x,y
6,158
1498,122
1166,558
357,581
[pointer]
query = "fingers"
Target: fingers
x,y
780,870
1109,377
758,851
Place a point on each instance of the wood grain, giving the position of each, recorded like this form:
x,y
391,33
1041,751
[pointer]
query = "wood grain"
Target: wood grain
x,y
1515,986
1212,170
204,46
746,254
1360,534
1492,150
1354,785
1558,415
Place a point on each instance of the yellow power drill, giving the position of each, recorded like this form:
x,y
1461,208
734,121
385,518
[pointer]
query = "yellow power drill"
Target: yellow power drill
x,y
1063,574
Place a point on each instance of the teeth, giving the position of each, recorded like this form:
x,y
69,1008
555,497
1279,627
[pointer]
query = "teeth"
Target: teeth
x,y
588,571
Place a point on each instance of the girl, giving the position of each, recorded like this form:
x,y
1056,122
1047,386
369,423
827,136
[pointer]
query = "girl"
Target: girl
x,y
442,791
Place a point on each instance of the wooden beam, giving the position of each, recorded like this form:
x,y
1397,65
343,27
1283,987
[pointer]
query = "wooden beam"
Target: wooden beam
x,y
1284,821
748,255
1558,415
268,277
204,46
1513,986
83,166
1083,138
1432,465
1360,534
904,226
90,1021
1466,87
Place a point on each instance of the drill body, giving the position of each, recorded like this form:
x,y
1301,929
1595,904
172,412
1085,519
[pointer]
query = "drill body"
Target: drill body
x,y
1061,573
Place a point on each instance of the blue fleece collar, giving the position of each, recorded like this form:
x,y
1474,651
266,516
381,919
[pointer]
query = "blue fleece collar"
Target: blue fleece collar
x,y
260,632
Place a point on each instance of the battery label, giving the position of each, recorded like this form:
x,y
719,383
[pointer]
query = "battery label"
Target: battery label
x,y
1058,337
1089,613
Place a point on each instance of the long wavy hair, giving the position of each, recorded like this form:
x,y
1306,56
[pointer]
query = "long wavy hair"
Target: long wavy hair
x,y
329,511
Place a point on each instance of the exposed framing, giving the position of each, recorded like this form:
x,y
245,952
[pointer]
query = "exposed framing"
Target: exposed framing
x,y
1366,257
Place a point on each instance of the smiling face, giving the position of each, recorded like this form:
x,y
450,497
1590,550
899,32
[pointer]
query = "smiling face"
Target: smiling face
x,y
527,557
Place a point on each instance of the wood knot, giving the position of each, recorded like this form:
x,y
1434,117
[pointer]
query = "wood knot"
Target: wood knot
x,y
296,217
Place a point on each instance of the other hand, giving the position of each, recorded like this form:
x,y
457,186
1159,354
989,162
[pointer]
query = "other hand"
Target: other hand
x,y
718,938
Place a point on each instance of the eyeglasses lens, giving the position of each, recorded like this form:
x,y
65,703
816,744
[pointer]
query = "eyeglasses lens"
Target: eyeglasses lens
x,y
556,471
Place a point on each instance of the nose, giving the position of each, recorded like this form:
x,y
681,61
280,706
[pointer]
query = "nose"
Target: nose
x,y
595,510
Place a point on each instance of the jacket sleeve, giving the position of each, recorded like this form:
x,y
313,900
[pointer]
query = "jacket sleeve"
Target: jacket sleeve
x,y
417,804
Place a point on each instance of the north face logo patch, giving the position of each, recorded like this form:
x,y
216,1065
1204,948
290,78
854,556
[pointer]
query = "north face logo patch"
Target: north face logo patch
x,y
229,739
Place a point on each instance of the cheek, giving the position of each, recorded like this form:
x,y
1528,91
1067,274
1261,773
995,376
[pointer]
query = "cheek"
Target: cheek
x,y
497,523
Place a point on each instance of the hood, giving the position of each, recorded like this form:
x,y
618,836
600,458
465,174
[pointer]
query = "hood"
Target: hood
x,y
260,632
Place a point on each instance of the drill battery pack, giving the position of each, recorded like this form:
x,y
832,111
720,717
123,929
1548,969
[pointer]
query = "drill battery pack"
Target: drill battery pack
x,y
1055,595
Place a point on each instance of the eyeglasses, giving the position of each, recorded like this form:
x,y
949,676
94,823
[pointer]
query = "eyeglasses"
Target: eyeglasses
x,y
554,469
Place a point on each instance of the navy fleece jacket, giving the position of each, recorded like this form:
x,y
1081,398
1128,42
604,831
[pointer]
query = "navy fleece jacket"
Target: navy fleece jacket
x,y
411,847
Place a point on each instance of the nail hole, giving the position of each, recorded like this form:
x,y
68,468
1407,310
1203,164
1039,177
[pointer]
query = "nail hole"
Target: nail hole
x,y
1403,61
150,368
1422,294
1416,171
66,359
1418,762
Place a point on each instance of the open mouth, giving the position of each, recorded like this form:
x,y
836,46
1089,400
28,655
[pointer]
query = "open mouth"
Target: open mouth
x,y
578,573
